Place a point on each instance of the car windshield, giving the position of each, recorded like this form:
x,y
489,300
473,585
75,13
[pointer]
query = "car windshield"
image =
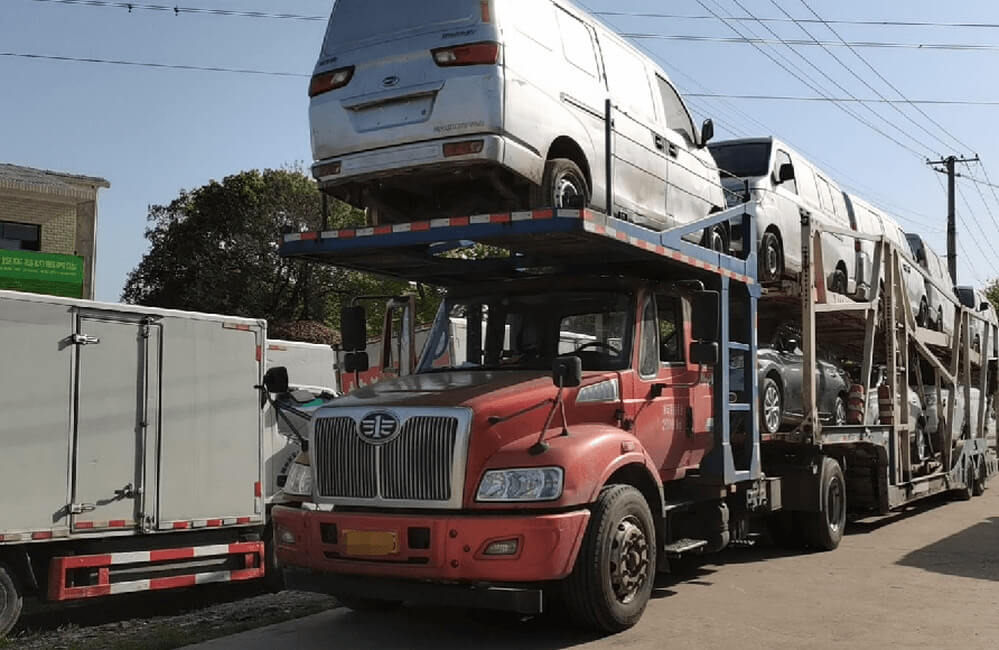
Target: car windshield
x,y
742,160
355,21
528,331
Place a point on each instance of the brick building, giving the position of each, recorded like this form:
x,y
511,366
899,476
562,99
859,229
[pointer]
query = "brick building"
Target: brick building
x,y
48,231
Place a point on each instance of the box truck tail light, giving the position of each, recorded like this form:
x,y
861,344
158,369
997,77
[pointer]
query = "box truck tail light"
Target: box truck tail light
x,y
327,81
471,54
466,148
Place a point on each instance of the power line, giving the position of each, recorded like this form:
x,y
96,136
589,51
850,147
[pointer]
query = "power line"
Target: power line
x,y
981,182
962,47
178,10
148,64
798,98
978,244
885,79
872,23
988,209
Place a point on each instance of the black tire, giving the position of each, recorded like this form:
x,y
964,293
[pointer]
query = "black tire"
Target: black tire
x,y
981,483
273,575
967,491
920,445
596,594
563,185
839,412
716,238
11,600
939,326
837,284
771,412
368,604
978,343
771,258
824,530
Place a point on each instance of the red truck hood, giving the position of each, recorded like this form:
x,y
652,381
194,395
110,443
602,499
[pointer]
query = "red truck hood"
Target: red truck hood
x,y
472,389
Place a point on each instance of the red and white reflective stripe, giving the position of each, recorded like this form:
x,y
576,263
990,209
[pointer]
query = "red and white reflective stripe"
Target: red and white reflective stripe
x,y
102,525
252,554
33,535
208,523
236,326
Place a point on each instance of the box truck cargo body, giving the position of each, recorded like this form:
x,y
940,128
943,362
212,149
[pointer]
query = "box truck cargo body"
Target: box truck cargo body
x,y
132,439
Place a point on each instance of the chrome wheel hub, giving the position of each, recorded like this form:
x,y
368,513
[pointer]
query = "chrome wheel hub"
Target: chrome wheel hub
x,y
629,560
567,190
835,504
771,408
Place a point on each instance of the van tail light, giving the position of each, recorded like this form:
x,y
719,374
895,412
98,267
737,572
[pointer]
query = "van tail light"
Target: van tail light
x,y
466,148
857,246
471,54
327,81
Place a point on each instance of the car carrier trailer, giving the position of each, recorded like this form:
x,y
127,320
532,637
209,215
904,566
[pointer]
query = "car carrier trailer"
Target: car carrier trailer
x,y
132,450
486,481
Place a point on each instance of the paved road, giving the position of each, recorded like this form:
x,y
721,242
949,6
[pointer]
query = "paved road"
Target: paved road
x,y
927,578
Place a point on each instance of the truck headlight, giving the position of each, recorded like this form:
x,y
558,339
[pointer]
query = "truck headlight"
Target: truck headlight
x,y
529,484
299,482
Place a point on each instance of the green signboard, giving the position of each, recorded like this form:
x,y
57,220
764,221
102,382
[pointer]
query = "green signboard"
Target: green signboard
x,y
55,275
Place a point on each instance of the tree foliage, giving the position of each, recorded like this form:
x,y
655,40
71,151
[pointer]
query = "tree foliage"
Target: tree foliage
x,y
992,293
215,249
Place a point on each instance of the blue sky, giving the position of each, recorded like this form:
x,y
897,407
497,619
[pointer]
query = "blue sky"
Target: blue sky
x,y
154,132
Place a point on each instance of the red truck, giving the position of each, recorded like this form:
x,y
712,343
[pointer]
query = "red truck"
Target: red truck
x,y
587,435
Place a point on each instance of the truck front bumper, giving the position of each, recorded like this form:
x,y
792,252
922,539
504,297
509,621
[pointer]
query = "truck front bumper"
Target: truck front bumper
x,y
452,548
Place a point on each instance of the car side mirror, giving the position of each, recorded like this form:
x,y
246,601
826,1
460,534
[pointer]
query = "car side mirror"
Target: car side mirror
x,y
984,306
785,173
567,372
276,380
354,328
707,132
356,362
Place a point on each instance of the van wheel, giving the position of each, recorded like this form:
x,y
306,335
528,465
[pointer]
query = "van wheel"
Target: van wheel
x,y
978,343
771,258
981,482
940,325
11,601
772,406
716,239
838,282
824,530
563,186
923,315
612,581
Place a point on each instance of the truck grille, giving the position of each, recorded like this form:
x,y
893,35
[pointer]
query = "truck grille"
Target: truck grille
x,y
417,465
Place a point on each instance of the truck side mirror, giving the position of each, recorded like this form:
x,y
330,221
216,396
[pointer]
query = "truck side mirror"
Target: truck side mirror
x,y
705,319
354,328
785,173
356,362
276,380
567,372
707,132
704,354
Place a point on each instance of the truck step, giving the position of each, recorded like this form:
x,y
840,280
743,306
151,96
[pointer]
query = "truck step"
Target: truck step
x,y
681,546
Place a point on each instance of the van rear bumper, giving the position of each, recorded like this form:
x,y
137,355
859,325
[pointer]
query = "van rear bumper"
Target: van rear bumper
x,y
417,158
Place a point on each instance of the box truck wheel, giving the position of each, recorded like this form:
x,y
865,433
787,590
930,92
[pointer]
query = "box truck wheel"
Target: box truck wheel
x,y
563,186
824,530
11,600
610,585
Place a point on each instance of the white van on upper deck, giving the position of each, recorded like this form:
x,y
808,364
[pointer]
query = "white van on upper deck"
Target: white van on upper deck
x,y
458,107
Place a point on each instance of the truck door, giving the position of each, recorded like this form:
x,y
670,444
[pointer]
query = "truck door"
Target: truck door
x,y
113,386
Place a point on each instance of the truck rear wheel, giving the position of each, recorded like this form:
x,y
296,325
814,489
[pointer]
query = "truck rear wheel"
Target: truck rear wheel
x,y
11,601
824,530
612,581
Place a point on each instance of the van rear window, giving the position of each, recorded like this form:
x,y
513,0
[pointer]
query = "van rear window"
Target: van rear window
x,y
744,160
356,21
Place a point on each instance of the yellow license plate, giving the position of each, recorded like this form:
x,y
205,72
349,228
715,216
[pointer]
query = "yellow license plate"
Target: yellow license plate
x,y
371,543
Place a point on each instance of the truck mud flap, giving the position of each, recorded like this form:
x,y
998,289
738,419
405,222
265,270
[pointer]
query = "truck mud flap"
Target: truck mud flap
x,y
93,576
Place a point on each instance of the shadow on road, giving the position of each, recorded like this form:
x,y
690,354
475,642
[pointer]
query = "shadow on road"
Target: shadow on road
x,y
970,553
870,524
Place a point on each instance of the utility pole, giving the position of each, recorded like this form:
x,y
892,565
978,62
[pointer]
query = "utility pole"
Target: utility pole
x,y
950,164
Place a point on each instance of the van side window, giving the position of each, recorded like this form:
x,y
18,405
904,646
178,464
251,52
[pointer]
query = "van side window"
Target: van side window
x,y
628,80
677,117
825,194
536,20
670,329
577,43
782,158
806,183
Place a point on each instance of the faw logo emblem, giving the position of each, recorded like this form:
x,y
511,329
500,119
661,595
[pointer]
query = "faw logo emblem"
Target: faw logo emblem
x,y
379,427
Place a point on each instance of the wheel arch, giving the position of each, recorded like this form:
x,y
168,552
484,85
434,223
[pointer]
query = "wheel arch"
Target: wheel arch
x,y
565,147
638,476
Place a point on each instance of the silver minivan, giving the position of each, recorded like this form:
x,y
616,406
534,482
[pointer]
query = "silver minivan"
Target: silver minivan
x,y
938,311
458,107
782,182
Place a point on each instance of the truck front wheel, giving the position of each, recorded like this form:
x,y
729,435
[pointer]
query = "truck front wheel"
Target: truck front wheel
x,y
612,581
11,601
824,530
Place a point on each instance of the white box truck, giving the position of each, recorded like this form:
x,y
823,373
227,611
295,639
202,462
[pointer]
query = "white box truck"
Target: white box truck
x,y
133,450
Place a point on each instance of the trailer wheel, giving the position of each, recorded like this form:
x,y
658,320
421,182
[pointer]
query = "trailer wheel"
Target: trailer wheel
x,y
980,484
11,600
824,530
612,581
563,185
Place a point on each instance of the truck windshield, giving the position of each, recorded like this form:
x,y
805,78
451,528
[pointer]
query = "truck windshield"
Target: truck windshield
x,y
356,21
742,160
528,331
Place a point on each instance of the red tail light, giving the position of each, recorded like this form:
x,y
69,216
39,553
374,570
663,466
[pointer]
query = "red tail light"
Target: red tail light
x,y
327,81
471,54
467,148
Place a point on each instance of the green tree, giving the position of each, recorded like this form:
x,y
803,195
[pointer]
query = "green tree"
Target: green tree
x,y
215,249
992,293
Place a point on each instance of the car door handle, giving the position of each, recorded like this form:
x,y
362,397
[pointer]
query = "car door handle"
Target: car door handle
x,y
660,141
